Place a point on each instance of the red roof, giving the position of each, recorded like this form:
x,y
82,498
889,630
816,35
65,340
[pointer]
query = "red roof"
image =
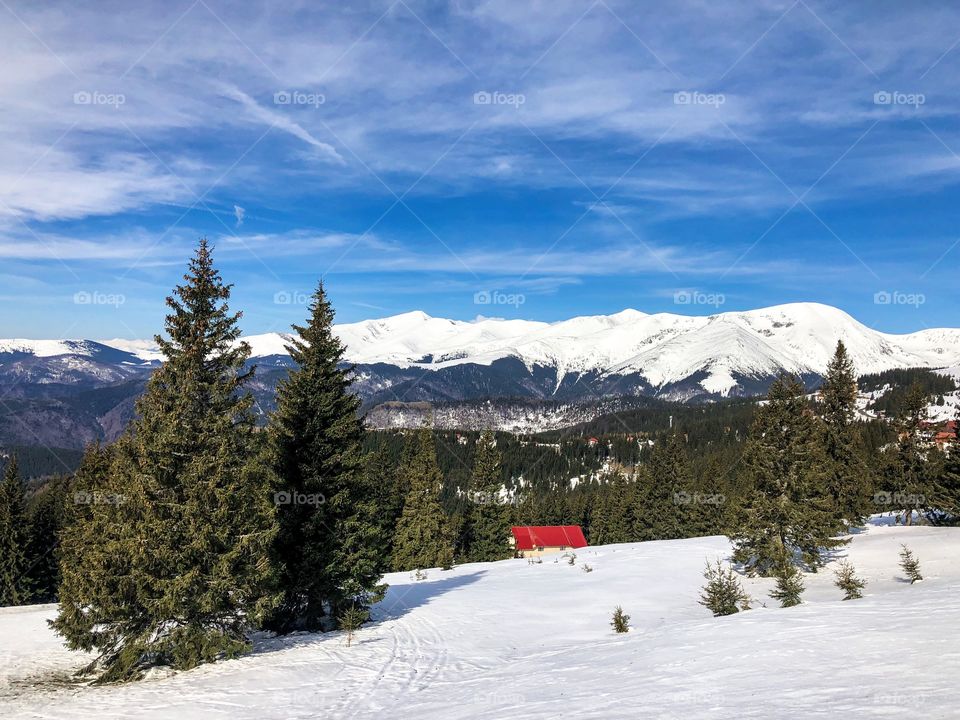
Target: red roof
x,y
529,537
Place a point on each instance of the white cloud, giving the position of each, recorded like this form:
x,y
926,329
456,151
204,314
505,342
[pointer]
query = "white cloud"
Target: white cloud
x,y
276,119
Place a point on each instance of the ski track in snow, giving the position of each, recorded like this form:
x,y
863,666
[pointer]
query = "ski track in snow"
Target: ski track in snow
x,y
523,641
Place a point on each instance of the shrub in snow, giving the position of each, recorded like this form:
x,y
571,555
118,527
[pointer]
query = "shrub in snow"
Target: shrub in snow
x,y
910,565
789,585
848,581
420,574
351,620
572,559
621,621
723,594
586,568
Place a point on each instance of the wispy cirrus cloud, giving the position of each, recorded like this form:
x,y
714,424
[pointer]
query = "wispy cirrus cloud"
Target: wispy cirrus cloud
x,y
470,138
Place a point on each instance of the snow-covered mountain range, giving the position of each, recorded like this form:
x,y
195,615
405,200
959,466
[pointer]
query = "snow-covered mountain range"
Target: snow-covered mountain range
x,y
664,348
415,358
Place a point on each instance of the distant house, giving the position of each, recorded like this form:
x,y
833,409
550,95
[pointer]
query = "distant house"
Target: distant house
x,y
946,438
592,441
535,540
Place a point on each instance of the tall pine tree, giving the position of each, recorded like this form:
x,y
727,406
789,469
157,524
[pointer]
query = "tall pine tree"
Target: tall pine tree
x,y
168,562
330,541
424,537
908,474
668,502
946,488
13,537
789,509
488,521
46,514
848,477
612,520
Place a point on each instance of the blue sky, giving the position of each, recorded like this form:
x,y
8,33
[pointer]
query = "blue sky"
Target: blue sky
x,y
557,158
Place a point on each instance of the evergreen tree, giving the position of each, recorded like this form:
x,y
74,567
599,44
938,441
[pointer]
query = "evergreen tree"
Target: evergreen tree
x,y
847,475
13,538
329,546
47,514
381,476
423,535
351,620
621,621
723,594
847,580
789,585
668,506
488,523
168,560
907,471
946,488
612,520
789,508
910,565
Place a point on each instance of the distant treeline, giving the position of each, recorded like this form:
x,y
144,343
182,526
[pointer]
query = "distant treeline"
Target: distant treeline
x,y
41,462
891,403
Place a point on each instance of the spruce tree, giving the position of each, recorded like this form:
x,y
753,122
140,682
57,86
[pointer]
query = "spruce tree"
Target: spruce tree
x,y
488,521
14,588
723,594
621,621
168,560
847,474
789,507
908,474
789,585
329,546
847,580
352,619
612,520
910,565
381,476
668,504
47,515
423,537
946,487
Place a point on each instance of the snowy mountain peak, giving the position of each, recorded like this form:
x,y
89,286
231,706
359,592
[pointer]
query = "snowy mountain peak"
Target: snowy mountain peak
x,y
721,350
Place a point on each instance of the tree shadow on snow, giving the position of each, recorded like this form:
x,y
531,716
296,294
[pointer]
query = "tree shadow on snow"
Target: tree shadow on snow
x,y
402,598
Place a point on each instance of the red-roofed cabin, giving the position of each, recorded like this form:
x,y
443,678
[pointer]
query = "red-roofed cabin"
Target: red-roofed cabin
x,y
535,540
944,439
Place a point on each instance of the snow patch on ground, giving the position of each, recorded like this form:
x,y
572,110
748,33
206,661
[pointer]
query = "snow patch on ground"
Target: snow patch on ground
x,y
511,639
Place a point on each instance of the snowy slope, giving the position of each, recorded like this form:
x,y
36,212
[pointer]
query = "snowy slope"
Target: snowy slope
x,y
524,641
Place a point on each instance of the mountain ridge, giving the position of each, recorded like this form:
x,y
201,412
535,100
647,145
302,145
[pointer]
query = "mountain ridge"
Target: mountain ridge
x,y
663,347
534,374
